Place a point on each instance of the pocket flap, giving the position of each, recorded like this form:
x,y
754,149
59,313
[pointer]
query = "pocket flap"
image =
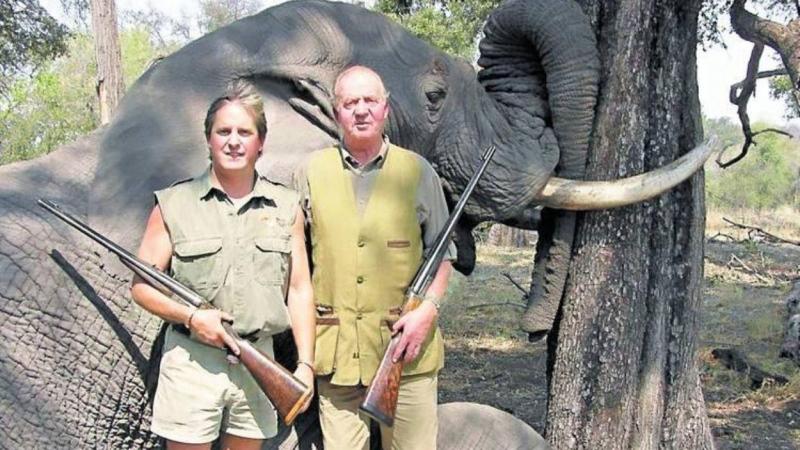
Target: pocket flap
x,y
274,244
198,247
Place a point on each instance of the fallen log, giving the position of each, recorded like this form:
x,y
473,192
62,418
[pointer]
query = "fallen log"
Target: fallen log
x,y
734,360
767,235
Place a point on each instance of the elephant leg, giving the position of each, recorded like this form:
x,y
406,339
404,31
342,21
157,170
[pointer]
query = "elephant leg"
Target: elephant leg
x,y
551,264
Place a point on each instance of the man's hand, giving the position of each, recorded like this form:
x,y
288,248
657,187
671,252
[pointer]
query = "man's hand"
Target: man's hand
x,y
415,327
206,324
306,375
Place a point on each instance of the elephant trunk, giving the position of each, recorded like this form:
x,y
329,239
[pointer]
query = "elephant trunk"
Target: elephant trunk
x,y
550,46
541,68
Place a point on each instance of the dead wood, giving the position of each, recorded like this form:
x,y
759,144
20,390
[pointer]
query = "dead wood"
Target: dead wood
x,y
734,360
767,235
507,275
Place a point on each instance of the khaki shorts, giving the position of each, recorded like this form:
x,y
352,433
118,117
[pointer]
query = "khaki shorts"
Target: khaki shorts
x,y
200,394
344,427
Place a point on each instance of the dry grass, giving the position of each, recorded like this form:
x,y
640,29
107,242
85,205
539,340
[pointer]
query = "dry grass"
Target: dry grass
x,y
490,361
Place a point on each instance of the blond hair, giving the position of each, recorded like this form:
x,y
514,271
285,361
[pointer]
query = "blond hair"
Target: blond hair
x,y
243,93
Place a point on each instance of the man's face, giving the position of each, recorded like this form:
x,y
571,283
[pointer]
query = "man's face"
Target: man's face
x,y
362,108
234,141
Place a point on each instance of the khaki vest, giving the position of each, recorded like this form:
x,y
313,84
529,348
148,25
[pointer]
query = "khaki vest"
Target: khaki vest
x,y
363,265
237,260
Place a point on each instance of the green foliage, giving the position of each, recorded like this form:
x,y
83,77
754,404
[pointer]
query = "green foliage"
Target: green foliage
x,y
451,26
781,89
28,37
53,107
57,105
764,179
727,132
218,13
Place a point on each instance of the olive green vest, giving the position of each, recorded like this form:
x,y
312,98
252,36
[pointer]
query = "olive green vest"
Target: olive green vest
x,y
363,265
236,259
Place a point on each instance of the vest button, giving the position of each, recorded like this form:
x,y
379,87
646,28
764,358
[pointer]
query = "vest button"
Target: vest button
x,y
360,243
360,279
359,316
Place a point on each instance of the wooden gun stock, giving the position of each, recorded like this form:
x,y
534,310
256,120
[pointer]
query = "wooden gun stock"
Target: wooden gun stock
x,y
287,393
380,402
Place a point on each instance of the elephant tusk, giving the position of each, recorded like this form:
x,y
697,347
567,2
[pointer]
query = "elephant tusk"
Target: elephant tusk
x,y
580,195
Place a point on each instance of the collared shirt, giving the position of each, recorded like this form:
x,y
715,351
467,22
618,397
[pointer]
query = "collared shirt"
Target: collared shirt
x,y
233,252
431,206
207,185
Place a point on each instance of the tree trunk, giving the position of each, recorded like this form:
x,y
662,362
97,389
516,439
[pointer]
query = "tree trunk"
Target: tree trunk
x,y
505,236
623,366
110,85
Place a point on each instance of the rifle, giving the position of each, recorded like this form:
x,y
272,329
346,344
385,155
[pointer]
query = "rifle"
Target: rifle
x,y
287,393
380,401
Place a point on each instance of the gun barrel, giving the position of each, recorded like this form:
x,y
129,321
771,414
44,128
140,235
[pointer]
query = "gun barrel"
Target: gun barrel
x,y
431,263
132,262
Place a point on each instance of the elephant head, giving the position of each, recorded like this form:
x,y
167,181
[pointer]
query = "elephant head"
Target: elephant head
x,y
75,359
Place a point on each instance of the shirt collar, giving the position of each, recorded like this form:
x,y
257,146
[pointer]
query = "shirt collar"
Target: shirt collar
x,y
207,186
376,162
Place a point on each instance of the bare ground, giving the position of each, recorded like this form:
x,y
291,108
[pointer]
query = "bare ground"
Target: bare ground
x,y
490,361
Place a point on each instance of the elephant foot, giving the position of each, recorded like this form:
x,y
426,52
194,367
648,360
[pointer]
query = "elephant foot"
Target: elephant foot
x,y
538,320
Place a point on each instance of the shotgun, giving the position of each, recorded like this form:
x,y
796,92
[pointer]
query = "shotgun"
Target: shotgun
x,y
380,401
287,393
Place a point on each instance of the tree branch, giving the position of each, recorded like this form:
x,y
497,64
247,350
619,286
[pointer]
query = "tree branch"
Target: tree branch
x,y
734,360
755,29
761,230
772,73
507,275
784,39
739,95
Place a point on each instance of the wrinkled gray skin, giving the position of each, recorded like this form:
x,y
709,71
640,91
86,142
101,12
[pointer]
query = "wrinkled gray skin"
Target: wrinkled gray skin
x,y
75,366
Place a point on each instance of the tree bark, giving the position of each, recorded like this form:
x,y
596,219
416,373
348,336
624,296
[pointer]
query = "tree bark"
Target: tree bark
x,y
623,367
506,236
110,85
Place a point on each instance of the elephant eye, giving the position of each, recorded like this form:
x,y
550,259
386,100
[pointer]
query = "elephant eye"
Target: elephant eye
x,y
436,95
435,98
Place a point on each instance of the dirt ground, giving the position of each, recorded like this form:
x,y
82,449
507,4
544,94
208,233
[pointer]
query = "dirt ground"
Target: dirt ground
x,y
490,361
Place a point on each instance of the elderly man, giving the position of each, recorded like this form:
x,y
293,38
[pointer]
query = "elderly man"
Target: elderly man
x,y
372,209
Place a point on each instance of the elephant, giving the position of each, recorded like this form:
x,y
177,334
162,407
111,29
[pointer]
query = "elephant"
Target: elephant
x,y
79,360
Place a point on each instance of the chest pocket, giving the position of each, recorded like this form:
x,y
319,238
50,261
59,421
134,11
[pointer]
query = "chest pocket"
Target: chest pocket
x,y
198,264
271,260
